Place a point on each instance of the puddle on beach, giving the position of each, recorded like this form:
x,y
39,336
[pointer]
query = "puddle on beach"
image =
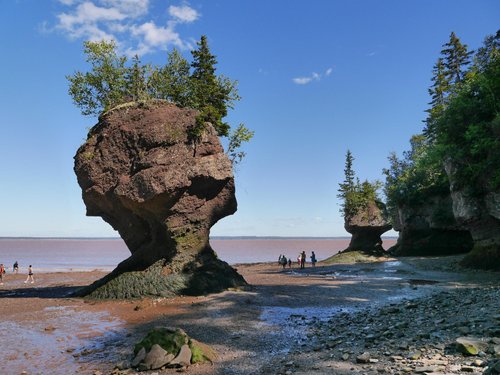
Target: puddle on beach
x,y
62,343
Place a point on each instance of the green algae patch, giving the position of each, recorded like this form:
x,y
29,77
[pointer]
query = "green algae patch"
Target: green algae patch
x,y
170,340
151,282
201,352
354,256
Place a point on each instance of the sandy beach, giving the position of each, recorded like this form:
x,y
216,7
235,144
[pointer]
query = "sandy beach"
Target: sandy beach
x,y
271,327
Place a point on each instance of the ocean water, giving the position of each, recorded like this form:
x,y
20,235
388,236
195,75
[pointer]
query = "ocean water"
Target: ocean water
x,y
63,254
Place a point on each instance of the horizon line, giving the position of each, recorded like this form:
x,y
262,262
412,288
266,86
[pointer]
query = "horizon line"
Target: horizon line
x,y
217,237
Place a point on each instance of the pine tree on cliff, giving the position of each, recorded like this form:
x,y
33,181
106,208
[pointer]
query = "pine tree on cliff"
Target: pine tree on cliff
x,y
348,186
456,57
212,94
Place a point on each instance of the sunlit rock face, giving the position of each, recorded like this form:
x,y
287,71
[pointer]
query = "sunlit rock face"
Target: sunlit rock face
x,y
480,215
140,171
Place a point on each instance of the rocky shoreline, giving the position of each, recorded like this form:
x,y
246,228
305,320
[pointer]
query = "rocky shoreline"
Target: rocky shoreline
x,y
420,336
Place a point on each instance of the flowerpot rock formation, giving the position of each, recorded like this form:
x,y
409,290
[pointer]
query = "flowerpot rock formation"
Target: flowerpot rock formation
x,y
366,227
162,192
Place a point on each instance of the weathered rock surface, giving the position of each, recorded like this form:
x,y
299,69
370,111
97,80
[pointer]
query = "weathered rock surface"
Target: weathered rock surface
x,y
480,214
430,228
366,228
142,174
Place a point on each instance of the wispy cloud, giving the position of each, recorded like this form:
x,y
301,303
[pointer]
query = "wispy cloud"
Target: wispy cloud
x,y
125,21
312,77
183,13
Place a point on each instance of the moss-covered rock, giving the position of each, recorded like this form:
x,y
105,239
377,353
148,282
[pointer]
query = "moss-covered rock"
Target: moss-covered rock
x,y
171,347
483,257
170,339
353,256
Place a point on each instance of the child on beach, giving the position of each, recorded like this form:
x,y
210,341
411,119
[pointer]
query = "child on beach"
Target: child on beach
x,y
2,271
30,275
15,267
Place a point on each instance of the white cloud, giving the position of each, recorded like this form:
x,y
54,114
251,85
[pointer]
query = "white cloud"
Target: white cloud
x,y
183,13
124,21
302,80
131,8
156,36
313,77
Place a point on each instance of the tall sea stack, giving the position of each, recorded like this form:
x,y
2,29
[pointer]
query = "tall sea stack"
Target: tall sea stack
x,y
140,171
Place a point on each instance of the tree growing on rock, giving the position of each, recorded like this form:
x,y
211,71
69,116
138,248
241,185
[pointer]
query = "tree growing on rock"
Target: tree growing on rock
x,y
113,80
365,216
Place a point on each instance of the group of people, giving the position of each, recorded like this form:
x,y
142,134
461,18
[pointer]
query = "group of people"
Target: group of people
x,y
15,269
301,260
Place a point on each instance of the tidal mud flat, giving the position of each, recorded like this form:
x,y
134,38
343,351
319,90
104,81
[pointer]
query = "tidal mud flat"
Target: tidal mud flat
x,y
401,316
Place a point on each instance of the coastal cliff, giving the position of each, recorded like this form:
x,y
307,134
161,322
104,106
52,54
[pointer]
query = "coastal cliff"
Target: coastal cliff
x,y
140,171
478,211
429,228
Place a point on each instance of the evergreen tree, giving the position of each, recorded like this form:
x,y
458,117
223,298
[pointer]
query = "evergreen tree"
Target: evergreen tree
x,y
212,95
348,186
488,52
456,57
441,85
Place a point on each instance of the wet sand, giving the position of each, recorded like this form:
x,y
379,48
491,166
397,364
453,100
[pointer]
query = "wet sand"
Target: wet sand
x,y
46,331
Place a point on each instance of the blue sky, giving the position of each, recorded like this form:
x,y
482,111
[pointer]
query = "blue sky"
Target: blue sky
x,y
316,78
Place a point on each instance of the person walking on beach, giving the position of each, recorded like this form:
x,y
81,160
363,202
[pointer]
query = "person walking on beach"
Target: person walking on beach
x,y
299,260
30,275
2,271
283,261
303,260
313,259
15,267
290,263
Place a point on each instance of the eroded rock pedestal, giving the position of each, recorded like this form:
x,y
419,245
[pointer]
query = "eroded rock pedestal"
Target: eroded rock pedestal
x,y
366,228
140,172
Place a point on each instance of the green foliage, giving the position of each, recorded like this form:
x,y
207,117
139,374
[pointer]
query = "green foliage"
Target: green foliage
x,y
172,82
463,127
212,94
355,196
420,174
112,82
236,138
105,85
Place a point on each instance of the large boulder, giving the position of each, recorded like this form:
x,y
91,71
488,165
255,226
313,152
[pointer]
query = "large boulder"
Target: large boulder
x,y
429,228
140,171
477,210
366,227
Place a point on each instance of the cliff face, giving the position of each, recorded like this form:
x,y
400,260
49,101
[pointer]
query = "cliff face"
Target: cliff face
x,y
140,172
366,228
479,214
430,229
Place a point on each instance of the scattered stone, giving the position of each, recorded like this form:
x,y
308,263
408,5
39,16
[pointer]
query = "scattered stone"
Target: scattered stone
x,y
141,354
183,358
157,357
363,358
470,345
